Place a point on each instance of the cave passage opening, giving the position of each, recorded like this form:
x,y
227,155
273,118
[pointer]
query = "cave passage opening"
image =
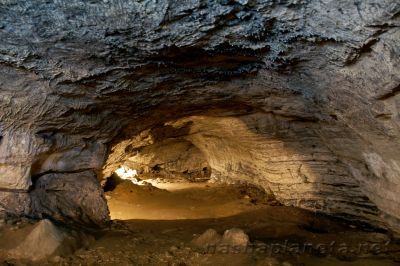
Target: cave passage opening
x,y
269,177
231,164
213,166
191,155
171,179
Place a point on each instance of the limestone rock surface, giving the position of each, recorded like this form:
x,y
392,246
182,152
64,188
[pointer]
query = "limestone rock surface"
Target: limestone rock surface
x,y
42,242
300,97
75,199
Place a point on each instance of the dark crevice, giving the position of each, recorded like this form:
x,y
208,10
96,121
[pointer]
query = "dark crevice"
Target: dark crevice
x,y
112,182
13,190
392,93
358,52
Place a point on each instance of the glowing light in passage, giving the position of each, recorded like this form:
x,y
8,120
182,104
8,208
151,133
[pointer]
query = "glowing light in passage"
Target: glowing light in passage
x,y
129,174
126,173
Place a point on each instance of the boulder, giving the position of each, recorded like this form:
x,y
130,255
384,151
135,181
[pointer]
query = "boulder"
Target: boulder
x,y
209,238
75,198
235,237
43,241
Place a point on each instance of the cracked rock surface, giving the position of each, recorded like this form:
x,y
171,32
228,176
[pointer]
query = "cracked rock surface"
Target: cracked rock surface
x,y
300,97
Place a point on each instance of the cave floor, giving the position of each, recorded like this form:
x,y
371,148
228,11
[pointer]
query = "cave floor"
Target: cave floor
x,y
179,201
154,226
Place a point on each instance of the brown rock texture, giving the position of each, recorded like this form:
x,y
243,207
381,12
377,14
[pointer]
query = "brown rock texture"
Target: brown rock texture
x,y
73,198
300,97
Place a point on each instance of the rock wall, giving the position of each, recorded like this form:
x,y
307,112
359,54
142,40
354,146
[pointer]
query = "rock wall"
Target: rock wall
x,y
286,156
162,152
272,78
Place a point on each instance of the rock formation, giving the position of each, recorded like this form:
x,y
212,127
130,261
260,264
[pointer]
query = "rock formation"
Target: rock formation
x,y
40,241
300,97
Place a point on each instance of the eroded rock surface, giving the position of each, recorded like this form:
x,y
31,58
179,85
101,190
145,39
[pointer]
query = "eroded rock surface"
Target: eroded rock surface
x,y
301,97
172,158
70,198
